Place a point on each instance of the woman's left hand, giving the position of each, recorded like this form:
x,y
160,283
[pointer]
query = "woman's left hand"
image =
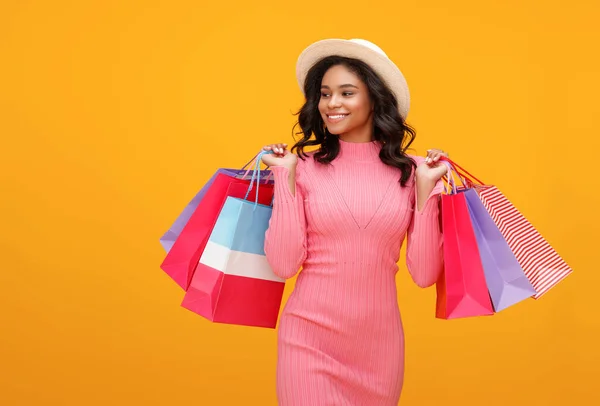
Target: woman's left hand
x,y
432,169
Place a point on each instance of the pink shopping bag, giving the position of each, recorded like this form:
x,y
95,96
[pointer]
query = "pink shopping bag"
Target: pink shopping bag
x,y
182,259
461,290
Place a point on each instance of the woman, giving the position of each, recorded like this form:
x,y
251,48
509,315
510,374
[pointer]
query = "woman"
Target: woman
x,y
341,213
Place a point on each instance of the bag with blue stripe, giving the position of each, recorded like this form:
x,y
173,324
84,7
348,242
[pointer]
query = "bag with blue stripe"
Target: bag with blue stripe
x,y
233,282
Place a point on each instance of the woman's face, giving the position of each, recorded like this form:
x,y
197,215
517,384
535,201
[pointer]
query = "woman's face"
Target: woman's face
x,y
345,106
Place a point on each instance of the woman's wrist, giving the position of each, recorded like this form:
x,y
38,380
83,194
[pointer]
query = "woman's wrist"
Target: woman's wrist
x,y
425,185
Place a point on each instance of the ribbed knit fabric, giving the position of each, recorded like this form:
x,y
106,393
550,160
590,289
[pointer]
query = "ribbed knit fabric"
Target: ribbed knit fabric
x,y
341,340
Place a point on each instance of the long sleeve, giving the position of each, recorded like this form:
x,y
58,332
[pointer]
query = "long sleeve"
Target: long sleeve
x,y
285,239
424,246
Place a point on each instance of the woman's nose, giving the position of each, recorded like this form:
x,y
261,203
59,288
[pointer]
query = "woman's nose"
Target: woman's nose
x,y
334,102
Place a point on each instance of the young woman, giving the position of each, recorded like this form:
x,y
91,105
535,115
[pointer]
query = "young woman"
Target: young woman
x,y
341,213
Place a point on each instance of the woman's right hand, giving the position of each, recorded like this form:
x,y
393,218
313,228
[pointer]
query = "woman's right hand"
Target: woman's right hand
x,y
280,156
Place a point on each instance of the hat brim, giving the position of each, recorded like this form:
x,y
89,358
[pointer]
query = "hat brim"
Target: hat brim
x,y
383,66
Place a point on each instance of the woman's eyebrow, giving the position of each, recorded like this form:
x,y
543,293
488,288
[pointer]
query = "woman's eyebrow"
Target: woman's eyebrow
x,y
341,86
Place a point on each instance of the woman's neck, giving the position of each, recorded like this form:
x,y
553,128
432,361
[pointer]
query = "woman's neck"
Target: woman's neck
x,y
355,139
358,135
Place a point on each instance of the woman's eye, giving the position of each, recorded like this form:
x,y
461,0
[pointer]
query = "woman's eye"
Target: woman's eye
x,y
347,93
324,95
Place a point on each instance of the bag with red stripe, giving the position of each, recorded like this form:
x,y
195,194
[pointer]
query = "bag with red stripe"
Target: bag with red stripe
x,y
542,265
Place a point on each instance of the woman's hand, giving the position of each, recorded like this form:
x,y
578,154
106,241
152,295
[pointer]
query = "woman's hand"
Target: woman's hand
x,y
280,156
428,174
432,169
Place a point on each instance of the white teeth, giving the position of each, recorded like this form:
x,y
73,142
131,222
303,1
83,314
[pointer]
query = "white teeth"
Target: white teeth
x,y
339,116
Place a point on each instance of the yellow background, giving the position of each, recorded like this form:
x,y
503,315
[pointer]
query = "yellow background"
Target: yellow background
x,y
114,113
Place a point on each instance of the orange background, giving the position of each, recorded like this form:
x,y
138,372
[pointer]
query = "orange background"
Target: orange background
x,y
114,113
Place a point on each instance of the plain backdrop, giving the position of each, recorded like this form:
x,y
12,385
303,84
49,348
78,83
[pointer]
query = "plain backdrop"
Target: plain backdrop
x,y
113,114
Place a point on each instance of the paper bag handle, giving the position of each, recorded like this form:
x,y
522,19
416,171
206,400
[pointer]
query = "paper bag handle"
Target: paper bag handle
x,y
256,175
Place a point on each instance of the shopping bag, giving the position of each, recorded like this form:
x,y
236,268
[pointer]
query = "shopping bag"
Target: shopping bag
x,y
169,237
542,265
182,258
506,280
233,282
461,289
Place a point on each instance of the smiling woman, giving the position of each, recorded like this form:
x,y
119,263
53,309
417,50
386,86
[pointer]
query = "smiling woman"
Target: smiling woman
x,y
345,108
341,213
337,85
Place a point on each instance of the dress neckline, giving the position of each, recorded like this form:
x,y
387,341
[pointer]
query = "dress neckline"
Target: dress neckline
x,y
359,151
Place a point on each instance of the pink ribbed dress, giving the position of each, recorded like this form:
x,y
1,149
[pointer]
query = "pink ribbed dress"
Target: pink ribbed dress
x,y
341,340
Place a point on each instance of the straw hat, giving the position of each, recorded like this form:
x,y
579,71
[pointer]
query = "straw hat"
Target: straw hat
x,y
365,51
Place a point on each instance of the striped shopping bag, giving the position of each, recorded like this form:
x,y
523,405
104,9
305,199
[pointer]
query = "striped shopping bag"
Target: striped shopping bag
x,y
542,265
233,283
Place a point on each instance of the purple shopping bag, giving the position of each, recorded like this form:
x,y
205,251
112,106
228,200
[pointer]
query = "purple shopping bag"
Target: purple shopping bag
x,y
506,280
169,237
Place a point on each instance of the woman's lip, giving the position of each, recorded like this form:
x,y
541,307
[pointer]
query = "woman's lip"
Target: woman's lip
x,y
337,119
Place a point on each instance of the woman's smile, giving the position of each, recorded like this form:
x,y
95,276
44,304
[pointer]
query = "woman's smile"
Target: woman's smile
x,y
336,118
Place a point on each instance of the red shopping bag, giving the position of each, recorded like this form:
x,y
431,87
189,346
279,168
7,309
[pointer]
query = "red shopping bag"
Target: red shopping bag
x,y
461,290
542,265
233,282
183,257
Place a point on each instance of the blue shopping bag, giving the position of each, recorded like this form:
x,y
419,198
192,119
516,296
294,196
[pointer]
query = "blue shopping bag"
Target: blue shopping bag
x,y
233,283
171,235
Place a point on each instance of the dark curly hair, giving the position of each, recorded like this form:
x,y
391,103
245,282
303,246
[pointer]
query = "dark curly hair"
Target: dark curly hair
x,y
390,129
